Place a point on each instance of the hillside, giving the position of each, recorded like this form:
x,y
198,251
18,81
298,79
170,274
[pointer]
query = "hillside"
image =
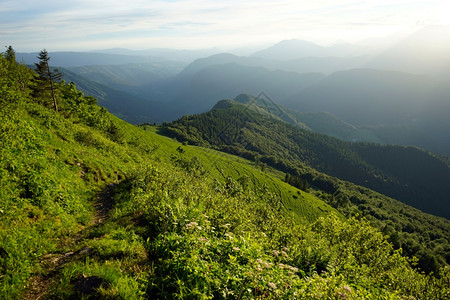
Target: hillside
x,y
127,106
93,207
411,175
320,122
129,77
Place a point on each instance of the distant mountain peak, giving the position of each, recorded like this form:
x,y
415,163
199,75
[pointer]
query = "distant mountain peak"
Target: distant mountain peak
x,y
295,49
422,52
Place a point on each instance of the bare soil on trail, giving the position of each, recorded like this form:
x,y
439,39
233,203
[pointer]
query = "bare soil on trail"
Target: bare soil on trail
x,y
39,284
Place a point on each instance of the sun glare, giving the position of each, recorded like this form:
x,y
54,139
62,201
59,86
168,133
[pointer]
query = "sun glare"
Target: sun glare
x,y
443,12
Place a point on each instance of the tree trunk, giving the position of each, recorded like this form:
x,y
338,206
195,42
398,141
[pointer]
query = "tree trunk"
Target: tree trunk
x,y
55,104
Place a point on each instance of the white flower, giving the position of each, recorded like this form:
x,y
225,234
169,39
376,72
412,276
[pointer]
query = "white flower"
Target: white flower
x,y
191,225
229,234
293,269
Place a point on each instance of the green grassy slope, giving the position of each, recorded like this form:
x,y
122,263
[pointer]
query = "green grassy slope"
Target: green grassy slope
x,y
222,166
93,207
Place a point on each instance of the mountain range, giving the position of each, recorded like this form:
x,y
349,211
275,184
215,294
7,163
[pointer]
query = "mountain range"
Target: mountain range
x,y
243,200
381,95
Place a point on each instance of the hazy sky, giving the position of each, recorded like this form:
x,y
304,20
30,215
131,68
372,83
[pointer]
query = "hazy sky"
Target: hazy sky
x,y
30,25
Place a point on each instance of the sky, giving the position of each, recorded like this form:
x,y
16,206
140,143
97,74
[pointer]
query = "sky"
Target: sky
x,y
83,25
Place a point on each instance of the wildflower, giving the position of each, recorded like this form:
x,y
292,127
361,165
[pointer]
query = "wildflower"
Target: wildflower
x,y
191,225
347,288
229,234
264,264
276,252
272,285
293,269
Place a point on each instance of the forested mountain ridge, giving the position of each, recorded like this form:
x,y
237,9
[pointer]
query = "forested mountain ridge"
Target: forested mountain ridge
x,y
320,122
93,207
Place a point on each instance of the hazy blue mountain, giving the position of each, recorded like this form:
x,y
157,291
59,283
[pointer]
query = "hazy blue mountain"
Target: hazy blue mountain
x,y
423,52
296,49
129,77
76,59
367,97
122,104
397,107
180,55
226,58
199,91
324,65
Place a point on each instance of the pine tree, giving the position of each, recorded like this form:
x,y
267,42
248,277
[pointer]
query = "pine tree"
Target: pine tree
x,y
47,77
10,54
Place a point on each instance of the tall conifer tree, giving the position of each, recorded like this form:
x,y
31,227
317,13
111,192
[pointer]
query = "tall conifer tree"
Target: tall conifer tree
x,y
10,54
47,77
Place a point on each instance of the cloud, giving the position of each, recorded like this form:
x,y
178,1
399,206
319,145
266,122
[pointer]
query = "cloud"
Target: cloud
x,y
92,24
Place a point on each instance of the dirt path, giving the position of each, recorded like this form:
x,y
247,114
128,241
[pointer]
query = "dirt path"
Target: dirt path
x,y
39,285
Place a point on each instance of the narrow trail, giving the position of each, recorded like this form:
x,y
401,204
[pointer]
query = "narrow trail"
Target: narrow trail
x,y
40,284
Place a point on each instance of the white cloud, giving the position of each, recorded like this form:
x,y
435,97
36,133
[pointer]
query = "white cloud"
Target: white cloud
x,y
143,24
